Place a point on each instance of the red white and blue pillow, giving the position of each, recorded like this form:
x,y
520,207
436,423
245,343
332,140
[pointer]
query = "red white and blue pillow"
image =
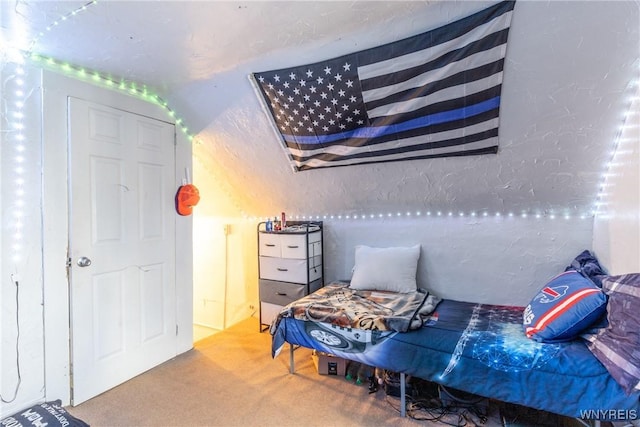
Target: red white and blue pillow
x,y
563,308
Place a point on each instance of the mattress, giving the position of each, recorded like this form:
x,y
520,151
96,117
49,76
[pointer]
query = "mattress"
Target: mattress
x,y
480,349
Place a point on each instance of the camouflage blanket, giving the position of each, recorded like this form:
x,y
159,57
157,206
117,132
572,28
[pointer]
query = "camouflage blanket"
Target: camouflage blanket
x,y
339,305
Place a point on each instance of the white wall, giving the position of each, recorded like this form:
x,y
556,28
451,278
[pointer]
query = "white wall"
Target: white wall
x,y
225,289
34,243
616,238
562,94
21,276
501,260
567,66
225,271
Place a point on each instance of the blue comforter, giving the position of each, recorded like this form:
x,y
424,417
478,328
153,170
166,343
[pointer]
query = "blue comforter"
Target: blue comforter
x,y
480,349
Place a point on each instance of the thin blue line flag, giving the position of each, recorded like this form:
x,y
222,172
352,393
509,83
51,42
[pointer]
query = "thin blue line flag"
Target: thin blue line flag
x,y
436,94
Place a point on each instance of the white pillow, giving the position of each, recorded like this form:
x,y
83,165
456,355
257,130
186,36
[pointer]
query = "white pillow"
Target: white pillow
x,y
386,269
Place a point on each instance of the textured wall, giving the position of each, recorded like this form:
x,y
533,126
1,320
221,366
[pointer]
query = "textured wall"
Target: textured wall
x,y
616,238
565,87
22,370
565,90
495,260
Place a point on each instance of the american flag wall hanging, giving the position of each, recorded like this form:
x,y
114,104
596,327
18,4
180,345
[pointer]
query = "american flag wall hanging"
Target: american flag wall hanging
x,y
436,94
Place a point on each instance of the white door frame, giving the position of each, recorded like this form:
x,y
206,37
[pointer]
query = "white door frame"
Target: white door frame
x,y
56,88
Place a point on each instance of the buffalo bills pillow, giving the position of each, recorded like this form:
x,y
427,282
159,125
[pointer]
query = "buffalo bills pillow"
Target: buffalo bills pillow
x,y
566,306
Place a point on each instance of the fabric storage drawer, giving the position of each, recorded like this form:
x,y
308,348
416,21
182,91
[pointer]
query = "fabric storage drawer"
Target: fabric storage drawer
x,y
293,245
281,292
269,245
284,270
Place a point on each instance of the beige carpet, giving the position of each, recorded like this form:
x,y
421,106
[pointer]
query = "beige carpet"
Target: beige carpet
x,y
230,379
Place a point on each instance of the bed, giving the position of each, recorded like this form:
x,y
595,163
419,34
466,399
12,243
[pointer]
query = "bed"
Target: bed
x,y
475,348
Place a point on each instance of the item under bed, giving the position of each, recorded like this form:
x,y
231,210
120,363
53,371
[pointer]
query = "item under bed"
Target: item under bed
x,y
480,349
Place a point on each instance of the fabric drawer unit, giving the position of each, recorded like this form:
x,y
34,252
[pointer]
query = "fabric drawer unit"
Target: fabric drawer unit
x,y
290,265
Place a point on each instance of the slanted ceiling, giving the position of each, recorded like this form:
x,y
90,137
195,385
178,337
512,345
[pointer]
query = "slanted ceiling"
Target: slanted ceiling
x,y
565,91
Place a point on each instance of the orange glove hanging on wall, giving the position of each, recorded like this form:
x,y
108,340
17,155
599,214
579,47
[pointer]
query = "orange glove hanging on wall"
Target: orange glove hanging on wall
x,y
186,198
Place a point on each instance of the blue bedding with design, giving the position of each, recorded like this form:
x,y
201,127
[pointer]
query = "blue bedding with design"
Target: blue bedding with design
x,y
480,349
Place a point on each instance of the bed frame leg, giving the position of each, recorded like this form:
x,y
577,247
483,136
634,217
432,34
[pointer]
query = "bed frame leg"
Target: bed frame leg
x,y
596,423
403,396
292,367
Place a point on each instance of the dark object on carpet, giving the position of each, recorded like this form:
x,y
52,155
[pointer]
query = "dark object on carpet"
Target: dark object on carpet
x,y
415,388
50,414
521,416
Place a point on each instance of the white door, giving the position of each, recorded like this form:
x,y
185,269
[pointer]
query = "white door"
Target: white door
x,y
121,245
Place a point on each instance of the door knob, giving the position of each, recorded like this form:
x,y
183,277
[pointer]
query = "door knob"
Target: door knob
x,y
84,262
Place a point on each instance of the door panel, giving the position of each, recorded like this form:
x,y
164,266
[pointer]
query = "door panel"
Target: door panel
x,y
106,200
107,316
122,218
151,218
153,325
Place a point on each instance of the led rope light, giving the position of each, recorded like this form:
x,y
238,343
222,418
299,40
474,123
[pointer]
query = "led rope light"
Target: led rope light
x,y
16,143
16,114
128,87
599,208
53,25
420,214
601,203
131,88
16,138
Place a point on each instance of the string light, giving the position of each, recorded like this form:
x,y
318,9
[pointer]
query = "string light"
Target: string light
x,y
128,87
16,136
604,186
93,76
134,88
16,147
57,22
418,214
15,132
600,205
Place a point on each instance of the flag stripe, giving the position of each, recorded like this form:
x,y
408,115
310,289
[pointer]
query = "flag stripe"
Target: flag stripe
x,y
361,145
492,149
437,83
453,109
434,115
437,132
466,139
440,35
450,93
478,53
431,95
488,98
